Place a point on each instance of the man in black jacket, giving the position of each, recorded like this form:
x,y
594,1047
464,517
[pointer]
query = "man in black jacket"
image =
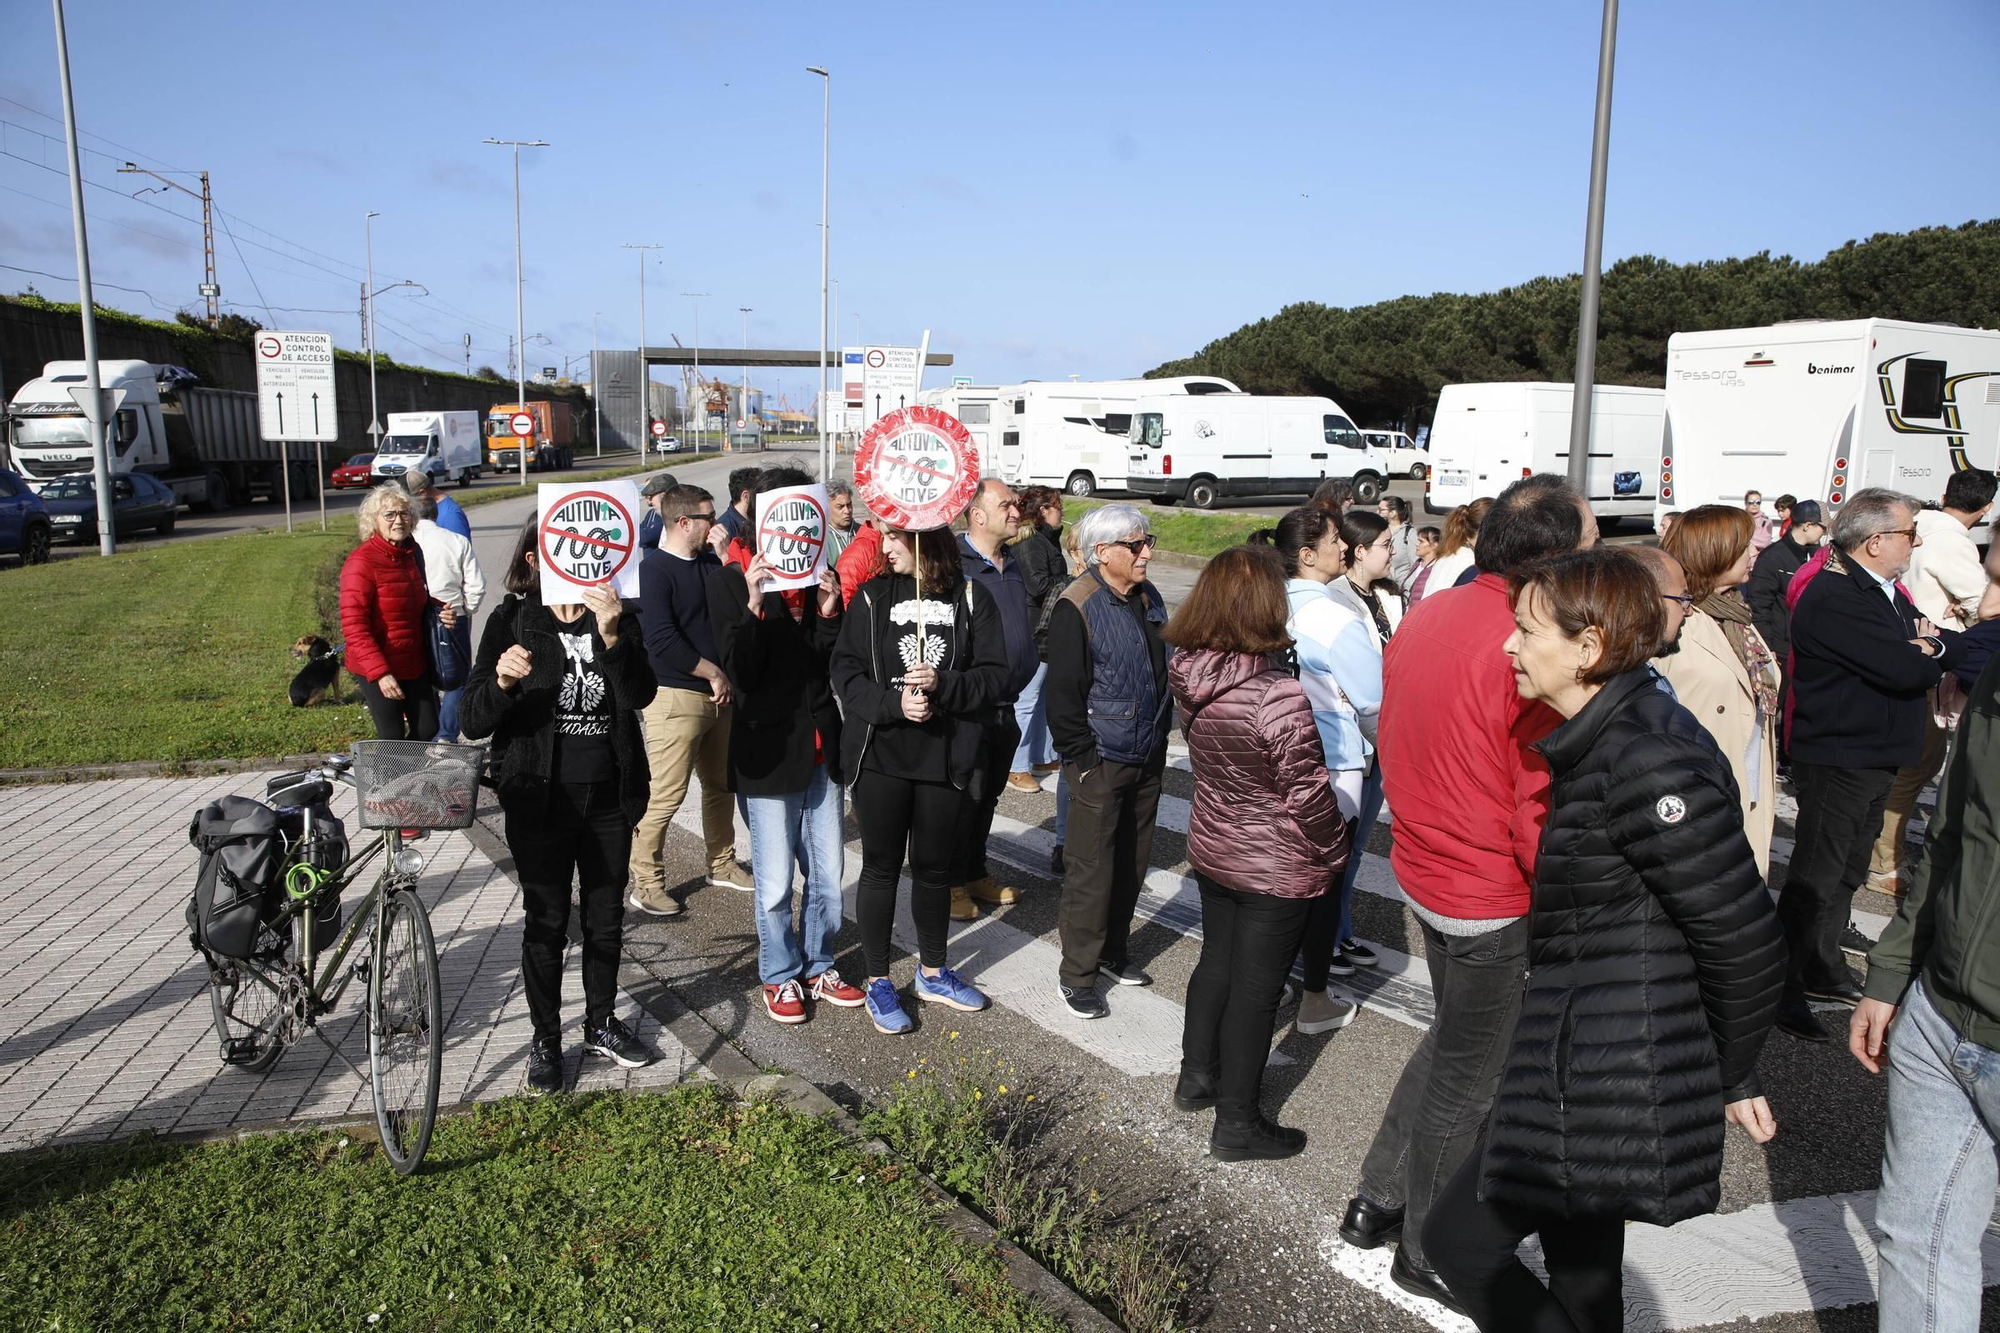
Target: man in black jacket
x,y
1770,577
1863,660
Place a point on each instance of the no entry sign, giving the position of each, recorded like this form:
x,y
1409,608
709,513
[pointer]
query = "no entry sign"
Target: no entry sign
x,y
587,536
791,534
917,468
521,424
659,430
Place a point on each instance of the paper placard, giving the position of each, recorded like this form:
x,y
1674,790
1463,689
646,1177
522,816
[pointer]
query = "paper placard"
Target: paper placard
x,y
587,536
792,524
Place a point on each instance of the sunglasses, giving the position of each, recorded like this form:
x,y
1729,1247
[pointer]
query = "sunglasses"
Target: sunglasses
x,y
1911,533
1138,546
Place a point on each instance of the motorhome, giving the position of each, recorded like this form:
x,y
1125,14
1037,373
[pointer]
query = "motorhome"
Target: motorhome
x,y
444,444
1207,448
977,407
1487,436
1821,409
1076,435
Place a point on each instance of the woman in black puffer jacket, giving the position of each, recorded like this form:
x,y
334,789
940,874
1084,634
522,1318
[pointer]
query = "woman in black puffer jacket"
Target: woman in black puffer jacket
x,y
1655,966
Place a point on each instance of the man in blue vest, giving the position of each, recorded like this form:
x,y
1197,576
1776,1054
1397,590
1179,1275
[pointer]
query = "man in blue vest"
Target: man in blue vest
x,y
1109,712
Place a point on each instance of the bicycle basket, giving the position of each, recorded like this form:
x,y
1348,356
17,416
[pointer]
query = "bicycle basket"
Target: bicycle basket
x,y
417,784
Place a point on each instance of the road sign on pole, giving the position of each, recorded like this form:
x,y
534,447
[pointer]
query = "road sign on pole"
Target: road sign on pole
x,y
295,395
522,424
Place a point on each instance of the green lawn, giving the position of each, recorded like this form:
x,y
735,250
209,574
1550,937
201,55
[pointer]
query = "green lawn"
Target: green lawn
x,y
1191,532
170,652
663,1212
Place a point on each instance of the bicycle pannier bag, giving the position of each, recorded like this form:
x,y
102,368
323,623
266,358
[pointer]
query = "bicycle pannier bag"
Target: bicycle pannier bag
x,y
242,858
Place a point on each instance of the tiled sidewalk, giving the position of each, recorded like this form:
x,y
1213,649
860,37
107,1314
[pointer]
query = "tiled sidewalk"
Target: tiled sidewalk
x,y
105,1023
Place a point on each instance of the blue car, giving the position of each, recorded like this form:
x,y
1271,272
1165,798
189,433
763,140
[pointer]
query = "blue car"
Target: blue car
x,y
138,502
24,522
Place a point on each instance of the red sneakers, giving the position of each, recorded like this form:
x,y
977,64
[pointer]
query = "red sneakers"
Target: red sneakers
x,y
829,987
785,1002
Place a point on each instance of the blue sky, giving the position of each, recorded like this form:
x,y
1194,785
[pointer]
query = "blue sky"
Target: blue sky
x,y
1052,189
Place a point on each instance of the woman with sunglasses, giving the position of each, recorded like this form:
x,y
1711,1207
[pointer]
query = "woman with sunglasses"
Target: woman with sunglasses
x,y
383,602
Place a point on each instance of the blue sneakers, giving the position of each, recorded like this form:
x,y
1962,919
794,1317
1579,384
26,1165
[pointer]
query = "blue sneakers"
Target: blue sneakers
x,y
885,1008
947,987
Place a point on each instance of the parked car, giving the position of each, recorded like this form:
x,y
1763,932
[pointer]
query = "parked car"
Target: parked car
x,y
355,472
24,521
138,502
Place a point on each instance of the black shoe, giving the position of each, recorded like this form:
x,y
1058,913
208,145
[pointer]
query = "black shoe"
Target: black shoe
x,y
1257,1141
1840,992
616,1041
1422,1282
1796,1020
1083,1002
1854,942
545,1066
1368,1224
1355,952
1194,1092
1125,974
1056,860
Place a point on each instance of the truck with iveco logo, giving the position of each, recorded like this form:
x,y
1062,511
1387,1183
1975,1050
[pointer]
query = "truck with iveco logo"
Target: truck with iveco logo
x,y
444,444
1822,408
204,444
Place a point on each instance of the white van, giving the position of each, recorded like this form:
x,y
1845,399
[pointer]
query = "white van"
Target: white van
x,y
1821,409
977,406
1074,436
1485,437
1401,455
1205,449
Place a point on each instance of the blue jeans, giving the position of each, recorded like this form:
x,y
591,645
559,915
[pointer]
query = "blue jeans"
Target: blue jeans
x,y
1062,807
1938,1171
1037,746
1364,824
798,828
461,634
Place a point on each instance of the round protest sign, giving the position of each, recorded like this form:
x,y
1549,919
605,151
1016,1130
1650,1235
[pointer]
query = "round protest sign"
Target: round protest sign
x,y
917,468
791,533
587,538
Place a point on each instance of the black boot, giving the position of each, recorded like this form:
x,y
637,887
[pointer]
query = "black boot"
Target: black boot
x,y
1194,1092
1368,1224
1256,1140
1420,1281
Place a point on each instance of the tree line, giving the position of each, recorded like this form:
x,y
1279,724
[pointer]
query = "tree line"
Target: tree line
x,y
1386,363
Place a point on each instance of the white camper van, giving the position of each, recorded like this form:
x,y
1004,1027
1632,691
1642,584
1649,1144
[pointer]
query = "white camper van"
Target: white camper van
x,y
977,406
1487,436
1204,449
1821,409
1075,435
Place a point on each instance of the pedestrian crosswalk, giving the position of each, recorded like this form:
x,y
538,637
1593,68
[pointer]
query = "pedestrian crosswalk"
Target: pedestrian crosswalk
x,y
1770,1258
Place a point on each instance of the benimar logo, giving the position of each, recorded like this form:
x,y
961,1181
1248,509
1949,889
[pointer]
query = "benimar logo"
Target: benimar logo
x,y
1812,369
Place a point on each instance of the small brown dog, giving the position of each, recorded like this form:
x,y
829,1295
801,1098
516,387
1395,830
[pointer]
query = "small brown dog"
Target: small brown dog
x,y
319,679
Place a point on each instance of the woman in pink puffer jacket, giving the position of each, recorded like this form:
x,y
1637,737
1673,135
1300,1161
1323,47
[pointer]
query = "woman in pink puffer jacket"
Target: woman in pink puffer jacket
x,y
1265,837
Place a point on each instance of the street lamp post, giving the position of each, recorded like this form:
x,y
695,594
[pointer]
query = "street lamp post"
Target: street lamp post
x,y
99,424
744,407
701,418
374,415
597,392
645,366
520,341
825,143
1583,396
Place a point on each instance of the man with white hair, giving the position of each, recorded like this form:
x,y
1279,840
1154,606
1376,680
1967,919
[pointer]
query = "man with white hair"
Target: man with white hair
x,y
1863,660
1109,712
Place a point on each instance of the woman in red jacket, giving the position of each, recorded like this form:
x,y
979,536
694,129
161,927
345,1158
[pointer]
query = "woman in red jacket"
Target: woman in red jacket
x,y
382,602
1265,837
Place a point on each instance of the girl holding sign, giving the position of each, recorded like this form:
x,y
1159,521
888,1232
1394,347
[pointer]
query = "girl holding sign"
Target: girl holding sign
x,y
919,666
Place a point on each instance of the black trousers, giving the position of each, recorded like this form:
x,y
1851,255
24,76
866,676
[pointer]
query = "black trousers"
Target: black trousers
x,y
975,820
1323,923
414,717
895,813
1470,1243
583,836
1840,813
1109,843
1248,941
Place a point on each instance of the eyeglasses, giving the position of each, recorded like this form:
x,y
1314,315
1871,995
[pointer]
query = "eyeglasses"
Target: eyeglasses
x,y
1911,533
398,515
1685,599
697,518
1138,546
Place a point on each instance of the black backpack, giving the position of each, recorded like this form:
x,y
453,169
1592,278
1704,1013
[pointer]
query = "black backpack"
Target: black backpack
x,y
241,881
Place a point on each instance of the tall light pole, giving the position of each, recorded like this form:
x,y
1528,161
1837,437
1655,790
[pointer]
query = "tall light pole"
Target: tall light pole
x,y
745,405
1593,262
99,424
520,341
701,419
368,327
596,392
825,144
210,290
645,366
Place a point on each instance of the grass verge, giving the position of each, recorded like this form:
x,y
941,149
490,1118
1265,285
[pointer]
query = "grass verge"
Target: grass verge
x,y
171,652
970,1142
682,1210
1190,533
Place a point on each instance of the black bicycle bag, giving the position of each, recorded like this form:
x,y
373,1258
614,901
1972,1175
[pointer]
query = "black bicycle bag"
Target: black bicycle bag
x,y
240,885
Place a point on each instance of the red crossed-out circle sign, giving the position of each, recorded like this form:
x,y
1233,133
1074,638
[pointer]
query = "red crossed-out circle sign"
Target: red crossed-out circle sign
x,y
917,468
588,538
269,347
521,423
659,428
792,532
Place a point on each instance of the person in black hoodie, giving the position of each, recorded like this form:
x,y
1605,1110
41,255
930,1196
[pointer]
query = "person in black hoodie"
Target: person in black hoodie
x,y
1655,967
917,679
559,689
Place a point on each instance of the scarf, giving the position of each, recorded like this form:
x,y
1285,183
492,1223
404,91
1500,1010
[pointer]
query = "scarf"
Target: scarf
x,y
1374,605
1733,614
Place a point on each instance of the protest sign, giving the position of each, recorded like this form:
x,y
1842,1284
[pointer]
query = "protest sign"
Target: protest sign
x,y
588,536
792,525
917,468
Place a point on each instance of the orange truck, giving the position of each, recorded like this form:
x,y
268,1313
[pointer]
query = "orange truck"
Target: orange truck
x,y
551,448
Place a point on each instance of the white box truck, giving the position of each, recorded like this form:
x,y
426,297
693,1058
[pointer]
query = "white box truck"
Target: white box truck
x,y
1217,446
204,444
1821,409
1076,435
1485,437
444,444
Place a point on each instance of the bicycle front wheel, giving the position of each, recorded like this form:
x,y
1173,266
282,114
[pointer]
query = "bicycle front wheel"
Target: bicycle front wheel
x,y
405,1030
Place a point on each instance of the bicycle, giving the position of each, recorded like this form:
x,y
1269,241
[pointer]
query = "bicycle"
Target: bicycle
x,y
275,996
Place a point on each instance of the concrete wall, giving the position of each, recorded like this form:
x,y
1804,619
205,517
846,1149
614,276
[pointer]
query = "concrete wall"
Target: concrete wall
x,y
31,337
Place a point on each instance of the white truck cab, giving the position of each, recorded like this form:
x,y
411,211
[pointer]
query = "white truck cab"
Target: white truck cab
x,y
444,444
